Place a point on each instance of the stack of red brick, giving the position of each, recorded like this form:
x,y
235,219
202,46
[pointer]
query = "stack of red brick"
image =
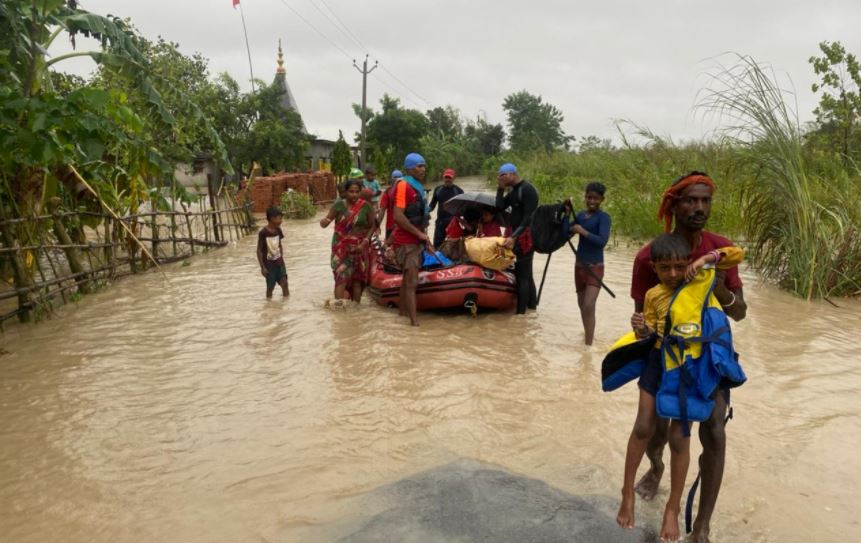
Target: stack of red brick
x,y
266,191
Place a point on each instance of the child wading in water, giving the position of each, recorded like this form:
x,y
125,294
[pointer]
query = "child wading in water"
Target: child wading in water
x,y
593,225
270,255
670,255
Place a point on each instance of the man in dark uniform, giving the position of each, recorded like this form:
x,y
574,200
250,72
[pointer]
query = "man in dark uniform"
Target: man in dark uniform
x,y
520,202
441,195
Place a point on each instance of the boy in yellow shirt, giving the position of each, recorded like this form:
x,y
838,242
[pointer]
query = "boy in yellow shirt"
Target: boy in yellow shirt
x,y
670,257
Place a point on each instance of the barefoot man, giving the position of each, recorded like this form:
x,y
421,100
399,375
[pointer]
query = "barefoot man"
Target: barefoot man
x,y
409,238
687,204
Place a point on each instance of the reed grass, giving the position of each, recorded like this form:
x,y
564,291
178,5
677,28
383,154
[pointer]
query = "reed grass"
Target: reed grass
x,y
801,213
796,207
635,176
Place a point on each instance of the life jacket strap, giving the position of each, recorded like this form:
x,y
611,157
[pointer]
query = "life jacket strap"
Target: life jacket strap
x,y
689,503
686,378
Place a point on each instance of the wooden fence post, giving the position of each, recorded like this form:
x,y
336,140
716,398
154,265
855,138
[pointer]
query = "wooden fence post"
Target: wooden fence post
x,y
109,253
173,225
153,226
213,206
64,238
20,274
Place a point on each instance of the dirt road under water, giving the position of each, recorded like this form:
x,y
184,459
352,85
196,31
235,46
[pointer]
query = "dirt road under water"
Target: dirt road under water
x,y
185,407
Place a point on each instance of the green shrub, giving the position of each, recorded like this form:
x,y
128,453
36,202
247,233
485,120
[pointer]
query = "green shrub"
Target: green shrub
x,y
297,205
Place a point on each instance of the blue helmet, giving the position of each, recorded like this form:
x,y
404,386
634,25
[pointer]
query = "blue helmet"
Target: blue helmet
x,y
414,159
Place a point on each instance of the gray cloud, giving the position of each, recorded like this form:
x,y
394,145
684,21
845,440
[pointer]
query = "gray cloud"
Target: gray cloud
x,y
596,61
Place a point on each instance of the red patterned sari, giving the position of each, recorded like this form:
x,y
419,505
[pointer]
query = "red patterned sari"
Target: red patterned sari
x,y
351,257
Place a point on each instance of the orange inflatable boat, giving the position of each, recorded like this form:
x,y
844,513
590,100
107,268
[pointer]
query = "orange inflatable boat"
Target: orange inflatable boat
x,y
462,285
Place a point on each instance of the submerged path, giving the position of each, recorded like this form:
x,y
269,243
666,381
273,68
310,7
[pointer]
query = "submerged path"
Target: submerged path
x,y
186,407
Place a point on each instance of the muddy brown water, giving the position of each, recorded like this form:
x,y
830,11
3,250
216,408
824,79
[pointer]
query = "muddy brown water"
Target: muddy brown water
x,y
185,407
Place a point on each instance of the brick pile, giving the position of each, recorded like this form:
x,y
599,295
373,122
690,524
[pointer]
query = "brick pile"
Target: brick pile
x,y
261,195
266,191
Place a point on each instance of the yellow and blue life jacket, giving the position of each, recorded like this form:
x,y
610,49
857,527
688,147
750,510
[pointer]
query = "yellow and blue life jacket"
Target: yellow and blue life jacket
x,y
697,354
625,361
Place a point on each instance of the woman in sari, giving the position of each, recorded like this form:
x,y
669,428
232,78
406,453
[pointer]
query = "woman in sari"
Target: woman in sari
x,y
354,224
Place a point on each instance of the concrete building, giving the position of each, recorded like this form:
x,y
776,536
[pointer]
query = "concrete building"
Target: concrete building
x,y
198,175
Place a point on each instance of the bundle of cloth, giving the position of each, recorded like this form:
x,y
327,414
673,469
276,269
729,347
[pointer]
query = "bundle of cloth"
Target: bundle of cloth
x,y
478,222
489,252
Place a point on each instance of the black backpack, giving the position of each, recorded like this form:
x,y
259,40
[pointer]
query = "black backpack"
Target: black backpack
x,y
549,227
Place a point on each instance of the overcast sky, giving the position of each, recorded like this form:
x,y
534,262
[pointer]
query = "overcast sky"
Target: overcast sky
x,y
596,60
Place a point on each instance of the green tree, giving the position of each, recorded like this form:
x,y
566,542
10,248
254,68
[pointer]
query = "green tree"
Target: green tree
x,y
839,103
275,140
397,128
64,84
533,124
223,104
44,130
183,83
368,115
446,152
485,138
342,159
55,133
381,160
445,121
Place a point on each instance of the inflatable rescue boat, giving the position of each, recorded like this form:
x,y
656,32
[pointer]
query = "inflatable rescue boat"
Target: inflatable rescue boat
x,y
462,285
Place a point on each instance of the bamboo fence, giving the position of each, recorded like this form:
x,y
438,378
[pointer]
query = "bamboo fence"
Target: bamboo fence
x,y
51,259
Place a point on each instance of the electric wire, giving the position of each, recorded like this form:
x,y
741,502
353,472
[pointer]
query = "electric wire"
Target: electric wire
x,y
404,85
352,58
365,49
345,27
318,31
396,91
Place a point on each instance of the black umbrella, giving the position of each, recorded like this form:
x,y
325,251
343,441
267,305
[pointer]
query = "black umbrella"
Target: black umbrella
x,y
461,202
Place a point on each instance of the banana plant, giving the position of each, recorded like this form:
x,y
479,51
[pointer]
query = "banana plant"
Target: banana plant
x,y
42,133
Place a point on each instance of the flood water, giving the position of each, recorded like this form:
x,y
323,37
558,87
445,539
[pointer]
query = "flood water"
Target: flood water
x,y
186,407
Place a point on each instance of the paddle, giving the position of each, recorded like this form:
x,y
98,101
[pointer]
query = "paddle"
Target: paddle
x,y
591,272
543,277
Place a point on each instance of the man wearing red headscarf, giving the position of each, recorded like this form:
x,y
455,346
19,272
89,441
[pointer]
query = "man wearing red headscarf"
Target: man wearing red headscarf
x,y
685,208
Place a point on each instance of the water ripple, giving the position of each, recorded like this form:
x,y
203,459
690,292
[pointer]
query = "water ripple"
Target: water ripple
x,y
186,407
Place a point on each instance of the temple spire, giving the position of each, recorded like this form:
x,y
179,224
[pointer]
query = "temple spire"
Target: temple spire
x,y
286,99
280,69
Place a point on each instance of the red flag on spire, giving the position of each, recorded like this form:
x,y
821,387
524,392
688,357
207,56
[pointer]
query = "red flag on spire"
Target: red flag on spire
x,y
235,3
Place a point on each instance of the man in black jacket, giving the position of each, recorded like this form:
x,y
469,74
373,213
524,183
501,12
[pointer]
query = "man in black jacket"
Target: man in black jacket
x,y
441,195
520,202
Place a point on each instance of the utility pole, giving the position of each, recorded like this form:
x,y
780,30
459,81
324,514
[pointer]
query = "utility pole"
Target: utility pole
x,y
364,71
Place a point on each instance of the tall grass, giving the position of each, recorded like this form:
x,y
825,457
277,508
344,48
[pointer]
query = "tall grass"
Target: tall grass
x,y
796,207
636,176
801,214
